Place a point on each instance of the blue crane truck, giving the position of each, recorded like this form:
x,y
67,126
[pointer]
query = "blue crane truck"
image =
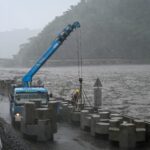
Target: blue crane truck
x,y
26,93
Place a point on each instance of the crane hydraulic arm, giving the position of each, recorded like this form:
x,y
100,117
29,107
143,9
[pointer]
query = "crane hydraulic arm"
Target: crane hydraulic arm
x,y
27,79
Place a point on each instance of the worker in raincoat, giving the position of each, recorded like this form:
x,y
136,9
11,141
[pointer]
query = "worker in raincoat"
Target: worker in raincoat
x,y
75,97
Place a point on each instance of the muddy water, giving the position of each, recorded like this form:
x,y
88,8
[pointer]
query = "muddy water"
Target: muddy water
x,y
126,88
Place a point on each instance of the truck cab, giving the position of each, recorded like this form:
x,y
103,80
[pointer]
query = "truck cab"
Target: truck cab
x,y
22,95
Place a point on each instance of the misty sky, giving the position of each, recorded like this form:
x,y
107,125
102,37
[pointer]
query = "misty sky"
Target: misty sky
x,y
33,14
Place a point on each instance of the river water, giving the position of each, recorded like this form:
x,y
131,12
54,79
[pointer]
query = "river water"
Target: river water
x,y
126,88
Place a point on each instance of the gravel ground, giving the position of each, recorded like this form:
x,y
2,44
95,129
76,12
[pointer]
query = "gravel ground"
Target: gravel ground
x,y
10,139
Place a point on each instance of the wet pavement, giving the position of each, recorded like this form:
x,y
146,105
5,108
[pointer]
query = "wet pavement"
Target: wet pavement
x,y
72,138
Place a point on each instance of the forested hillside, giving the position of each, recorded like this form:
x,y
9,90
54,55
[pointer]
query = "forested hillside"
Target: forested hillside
x,y
117,29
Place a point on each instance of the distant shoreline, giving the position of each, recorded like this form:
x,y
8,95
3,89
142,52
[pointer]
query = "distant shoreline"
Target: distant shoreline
x,y
73,62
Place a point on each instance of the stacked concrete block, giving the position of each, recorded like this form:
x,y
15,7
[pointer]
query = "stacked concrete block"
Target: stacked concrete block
x,y
37,103
87,121
114,115
70,111
29,114
42,113
140,130
52,106
104,116
39,122
114,130
84,114
127,137
45,131
100,109
75,117
64,111
42,130
94,120
102,128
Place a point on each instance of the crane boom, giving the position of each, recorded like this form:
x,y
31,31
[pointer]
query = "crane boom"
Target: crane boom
x,y
27,79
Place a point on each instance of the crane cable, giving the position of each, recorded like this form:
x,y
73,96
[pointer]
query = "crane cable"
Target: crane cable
x,y
80,64
79,53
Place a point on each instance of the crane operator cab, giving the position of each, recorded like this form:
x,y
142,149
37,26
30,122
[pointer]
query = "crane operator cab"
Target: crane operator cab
x,y
23,95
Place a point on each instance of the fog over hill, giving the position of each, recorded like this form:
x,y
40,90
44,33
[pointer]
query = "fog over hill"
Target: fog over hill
x,y
110,29
10,41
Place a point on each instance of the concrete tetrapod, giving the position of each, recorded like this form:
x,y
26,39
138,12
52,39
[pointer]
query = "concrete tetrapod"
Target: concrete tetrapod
x,y
114,130
84,114
140,130
127,137
94,120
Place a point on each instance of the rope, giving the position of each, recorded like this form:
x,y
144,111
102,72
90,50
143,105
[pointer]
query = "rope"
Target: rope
x,y
86,98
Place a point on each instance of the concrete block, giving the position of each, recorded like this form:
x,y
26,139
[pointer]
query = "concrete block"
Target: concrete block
x,y
114,123
139,123
104,120
88,108
118,118
103,110
44,130
37,104
62,103
75,116
114,130
140,130
87,122
42,113
29,113
94,120
84,114
71,108
140,134
53,106
113,115
104,115
65,112
127,137
102,128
